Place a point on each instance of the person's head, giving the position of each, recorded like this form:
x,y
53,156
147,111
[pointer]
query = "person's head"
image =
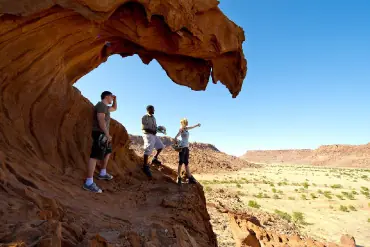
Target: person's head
x,y
150,109
184,122
107,97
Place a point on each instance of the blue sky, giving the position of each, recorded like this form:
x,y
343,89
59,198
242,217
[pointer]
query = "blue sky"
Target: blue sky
x,y
308,81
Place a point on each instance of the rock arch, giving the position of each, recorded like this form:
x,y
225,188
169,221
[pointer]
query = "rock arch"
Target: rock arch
x,y
45,47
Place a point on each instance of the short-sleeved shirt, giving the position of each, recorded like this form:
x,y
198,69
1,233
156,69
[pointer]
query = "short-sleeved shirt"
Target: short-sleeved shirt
x,y
148,122
101,108
184,138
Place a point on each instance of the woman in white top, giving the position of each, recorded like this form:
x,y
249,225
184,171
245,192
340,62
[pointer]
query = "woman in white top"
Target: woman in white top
x,y
184,153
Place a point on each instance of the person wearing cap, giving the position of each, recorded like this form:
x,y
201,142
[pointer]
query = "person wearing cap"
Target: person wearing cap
x,y
151,140
101,148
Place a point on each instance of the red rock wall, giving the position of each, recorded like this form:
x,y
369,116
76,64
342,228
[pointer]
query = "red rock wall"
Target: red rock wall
x,y
45,124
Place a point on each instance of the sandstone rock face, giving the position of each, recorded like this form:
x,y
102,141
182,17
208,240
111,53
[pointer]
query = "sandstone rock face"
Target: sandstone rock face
x,y
327,155
45,123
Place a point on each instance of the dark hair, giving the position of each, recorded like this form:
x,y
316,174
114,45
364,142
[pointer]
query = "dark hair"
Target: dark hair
x,y
105,94
149,106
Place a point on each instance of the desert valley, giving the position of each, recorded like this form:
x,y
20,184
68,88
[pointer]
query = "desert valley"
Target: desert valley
x,y
314,201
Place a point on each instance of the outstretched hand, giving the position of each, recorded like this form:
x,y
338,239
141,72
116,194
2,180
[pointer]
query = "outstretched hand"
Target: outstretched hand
x,y
198,124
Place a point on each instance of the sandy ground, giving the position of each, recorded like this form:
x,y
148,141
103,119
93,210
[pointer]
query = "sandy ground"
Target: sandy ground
x,y
334,201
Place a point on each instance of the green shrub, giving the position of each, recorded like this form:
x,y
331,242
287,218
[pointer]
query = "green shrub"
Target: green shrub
x,y
280,192
303,197
313,196
343,208
276,196
364,177
336,186
298,217
280,184
368,220
240,193
364,188
261,195
350,196
305,185
296,190
292,198
314,184
274,190
253,204
238,185
352,208
340,197
283,215
354,192
320,191
365,193
328,194
208,189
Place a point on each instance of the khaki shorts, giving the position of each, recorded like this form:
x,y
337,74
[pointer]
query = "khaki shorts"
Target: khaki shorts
x,y
151,142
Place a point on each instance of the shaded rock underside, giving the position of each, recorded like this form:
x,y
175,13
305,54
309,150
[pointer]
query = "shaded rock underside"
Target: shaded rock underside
x,y
45,124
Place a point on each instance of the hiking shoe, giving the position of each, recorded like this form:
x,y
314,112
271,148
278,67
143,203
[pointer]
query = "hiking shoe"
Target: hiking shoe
x,y
92,187
192,180
107,176
156,161
179,181
146,170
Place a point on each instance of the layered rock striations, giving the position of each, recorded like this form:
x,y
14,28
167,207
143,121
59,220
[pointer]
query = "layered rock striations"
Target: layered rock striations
x,y
45,123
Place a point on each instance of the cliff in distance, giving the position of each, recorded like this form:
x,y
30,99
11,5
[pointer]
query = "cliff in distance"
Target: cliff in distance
x,y
328,155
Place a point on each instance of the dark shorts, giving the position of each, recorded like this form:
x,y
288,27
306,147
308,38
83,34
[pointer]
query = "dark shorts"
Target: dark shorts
x,y
184,156
100,147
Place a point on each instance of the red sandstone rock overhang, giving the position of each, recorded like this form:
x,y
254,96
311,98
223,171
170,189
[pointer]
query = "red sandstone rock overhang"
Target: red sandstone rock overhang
x,y
191,39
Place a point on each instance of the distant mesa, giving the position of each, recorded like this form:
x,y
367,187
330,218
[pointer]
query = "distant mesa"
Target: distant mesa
x,y
326,155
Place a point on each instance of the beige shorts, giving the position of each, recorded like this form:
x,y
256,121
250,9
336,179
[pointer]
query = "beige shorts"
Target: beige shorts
x,y
151,142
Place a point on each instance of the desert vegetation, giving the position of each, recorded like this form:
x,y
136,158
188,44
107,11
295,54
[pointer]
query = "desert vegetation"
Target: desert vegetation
x,y
301,195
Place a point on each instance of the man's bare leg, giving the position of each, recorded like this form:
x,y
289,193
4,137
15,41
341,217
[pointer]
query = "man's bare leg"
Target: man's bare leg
x,y
103,171
90,171
91,167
